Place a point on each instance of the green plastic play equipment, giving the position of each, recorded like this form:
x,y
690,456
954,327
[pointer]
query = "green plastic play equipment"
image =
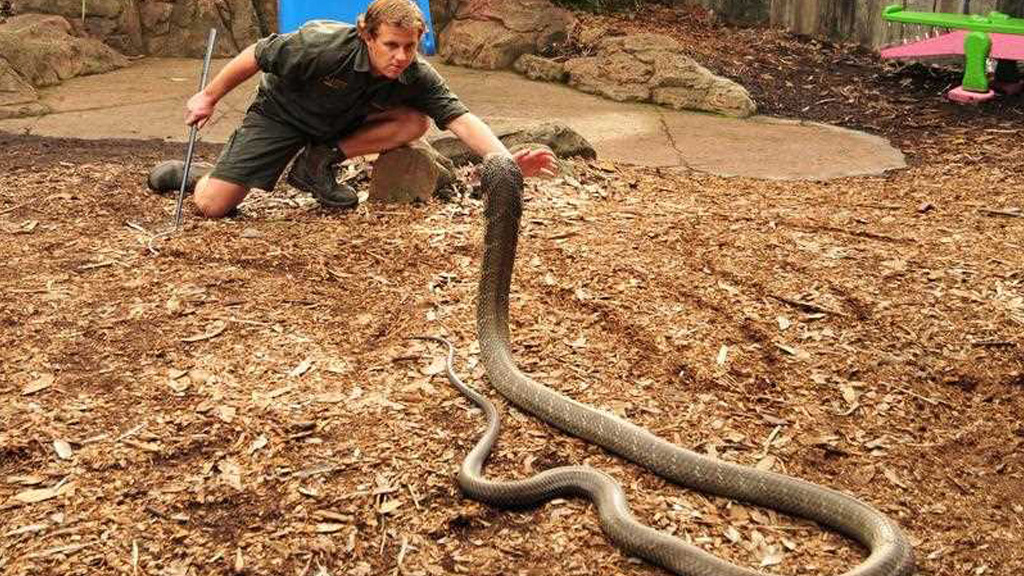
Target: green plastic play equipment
x,y
978,38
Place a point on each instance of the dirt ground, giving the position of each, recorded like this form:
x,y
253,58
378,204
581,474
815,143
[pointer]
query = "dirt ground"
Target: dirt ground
x,y
242,398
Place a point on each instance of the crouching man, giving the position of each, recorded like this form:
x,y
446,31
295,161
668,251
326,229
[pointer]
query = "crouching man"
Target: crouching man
x,y
329,92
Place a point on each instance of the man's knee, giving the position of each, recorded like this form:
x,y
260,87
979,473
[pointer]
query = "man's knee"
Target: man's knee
x,y
216,198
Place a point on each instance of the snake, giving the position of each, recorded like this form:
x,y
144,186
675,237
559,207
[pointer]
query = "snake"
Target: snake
x,y
501,182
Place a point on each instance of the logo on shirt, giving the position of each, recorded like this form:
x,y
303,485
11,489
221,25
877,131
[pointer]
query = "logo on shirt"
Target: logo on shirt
x,y
334,83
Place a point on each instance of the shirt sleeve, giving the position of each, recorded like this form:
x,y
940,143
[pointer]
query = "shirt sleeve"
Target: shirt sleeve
x,y
433,97
296,56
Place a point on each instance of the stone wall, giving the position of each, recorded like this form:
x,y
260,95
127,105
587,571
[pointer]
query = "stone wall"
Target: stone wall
x,y
858,21
164,27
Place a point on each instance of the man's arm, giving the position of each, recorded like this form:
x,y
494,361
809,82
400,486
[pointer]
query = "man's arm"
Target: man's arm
x,y
242,67
475,134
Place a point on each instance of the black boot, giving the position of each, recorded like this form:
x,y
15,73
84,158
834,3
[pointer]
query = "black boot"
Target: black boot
x,y
313,172
166,176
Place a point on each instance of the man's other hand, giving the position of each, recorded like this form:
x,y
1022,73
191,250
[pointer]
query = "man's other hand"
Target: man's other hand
x,y
538,162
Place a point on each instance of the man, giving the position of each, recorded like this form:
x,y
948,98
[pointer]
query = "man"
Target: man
x,y
334,92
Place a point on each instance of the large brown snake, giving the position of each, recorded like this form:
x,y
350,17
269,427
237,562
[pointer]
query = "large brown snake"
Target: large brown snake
x,y
502,183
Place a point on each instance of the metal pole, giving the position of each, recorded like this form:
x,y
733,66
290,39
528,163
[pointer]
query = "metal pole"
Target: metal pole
x,y
193,132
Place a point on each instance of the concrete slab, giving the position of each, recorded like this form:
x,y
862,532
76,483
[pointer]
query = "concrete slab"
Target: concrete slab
x,y
146,100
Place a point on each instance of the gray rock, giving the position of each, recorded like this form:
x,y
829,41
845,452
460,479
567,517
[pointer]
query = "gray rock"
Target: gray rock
x,y
411,173
650,68
560,138
492,35
538,68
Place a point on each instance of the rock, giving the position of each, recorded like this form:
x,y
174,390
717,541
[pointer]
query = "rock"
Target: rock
x,y
13,88
651,68
73,9
189,24
589,37
492,35
587,75
538,68
411,173
165,27
42,51
155,17
561,139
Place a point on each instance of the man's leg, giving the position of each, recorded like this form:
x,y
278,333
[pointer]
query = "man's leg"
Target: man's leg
x,y
254,157
384,131
215,197
314,169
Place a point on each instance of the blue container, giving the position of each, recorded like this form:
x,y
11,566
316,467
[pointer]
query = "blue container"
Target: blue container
x,y
292,14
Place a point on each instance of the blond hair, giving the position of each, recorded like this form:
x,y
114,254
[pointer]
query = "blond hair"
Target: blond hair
x,y
398,13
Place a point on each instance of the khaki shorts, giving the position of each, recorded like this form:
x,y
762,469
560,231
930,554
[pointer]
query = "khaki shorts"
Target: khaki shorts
x,y
259,151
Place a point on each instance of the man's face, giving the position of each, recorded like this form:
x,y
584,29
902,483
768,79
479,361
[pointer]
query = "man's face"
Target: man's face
x,y
392,50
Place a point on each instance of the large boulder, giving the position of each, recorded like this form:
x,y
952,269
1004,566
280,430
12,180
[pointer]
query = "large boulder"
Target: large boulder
x,y
181,28
43,51
493,35
652,68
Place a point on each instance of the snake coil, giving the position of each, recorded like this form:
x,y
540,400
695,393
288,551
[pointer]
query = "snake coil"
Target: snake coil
x,y
502,183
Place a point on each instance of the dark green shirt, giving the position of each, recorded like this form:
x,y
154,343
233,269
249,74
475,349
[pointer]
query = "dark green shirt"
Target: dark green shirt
x,y
318,79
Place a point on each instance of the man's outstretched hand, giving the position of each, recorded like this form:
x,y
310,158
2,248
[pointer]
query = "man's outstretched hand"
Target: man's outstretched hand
x,y
538,162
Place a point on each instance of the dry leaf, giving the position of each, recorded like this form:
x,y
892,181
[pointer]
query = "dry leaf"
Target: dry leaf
x,y
891,475
42,494
723,353
213,331
849,394
257,444
39,384
330,397
766,463
25,480
784,323
226,413
329,527
435,367
63,449
772,557
301,369
390,506
230,473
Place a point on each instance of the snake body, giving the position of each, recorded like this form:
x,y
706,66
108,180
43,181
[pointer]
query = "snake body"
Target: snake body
x,y
889,552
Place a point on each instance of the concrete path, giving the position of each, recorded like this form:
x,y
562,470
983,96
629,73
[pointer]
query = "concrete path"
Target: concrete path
x,y
146,100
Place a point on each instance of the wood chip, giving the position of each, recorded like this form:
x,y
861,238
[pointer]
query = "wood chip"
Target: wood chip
x,y
214,330
301,369
39,384
63,449
329,527
723,354
258,444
